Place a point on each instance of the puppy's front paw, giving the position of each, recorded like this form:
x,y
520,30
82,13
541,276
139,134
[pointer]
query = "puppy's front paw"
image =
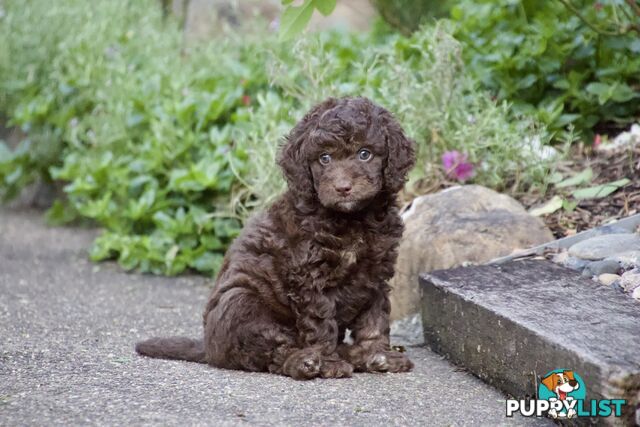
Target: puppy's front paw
x,y
388,361
336,369
302,365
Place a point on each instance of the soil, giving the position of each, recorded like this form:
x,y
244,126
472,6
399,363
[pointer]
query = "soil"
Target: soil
x,y
607,166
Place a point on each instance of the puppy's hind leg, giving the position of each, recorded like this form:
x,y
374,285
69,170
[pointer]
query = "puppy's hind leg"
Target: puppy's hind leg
x,y
242,333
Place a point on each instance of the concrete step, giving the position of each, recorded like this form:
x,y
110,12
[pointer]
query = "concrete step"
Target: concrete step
x,y
512,323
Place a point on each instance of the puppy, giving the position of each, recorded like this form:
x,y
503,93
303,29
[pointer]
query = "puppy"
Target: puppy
x,y
317,261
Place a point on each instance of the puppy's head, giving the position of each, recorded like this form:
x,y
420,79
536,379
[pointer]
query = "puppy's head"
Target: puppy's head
x,y
345,152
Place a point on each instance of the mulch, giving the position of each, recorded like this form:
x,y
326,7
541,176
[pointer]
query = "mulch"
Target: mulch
x,y
607,166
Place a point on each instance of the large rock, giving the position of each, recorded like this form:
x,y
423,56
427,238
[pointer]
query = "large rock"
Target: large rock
x,y
469,224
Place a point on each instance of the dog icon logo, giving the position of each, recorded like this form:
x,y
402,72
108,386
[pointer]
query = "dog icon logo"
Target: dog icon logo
x,y
565,386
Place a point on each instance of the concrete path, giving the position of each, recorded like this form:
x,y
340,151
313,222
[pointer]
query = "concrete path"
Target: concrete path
x,y
67,329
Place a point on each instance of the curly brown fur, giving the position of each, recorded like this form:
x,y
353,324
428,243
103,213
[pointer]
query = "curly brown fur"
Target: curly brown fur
x,y
318,260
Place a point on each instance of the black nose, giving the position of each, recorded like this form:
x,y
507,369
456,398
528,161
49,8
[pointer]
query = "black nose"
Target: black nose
x,y
343,188
573,383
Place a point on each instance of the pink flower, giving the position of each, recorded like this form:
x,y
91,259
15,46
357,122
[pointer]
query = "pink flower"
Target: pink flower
x,y
598,6
597,141
456,166
246,100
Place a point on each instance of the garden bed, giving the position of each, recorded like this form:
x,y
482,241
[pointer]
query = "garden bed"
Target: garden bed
x,y
608,165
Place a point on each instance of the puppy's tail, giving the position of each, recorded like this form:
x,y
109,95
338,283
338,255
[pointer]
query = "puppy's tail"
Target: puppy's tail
x,y
176,348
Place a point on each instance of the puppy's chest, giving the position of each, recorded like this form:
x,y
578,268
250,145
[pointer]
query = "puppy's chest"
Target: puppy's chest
x,y
344,256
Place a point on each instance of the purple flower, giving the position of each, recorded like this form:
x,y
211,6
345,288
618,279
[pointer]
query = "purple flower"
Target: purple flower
x,y
456,166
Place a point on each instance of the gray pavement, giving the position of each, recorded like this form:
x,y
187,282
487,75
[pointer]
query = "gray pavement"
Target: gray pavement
x,y
67,329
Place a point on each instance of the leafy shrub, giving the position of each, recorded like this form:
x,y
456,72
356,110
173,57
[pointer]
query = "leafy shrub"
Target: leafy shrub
x,y
142,133
547,61
169,147
407,15
423,81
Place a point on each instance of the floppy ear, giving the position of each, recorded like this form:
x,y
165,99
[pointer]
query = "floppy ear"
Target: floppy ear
x,y
401,154
569,374
291,158
550,382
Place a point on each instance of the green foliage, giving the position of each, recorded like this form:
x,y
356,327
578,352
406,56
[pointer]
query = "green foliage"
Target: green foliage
x,y
407,15
295,18
140,133
547,61
169,147
423,81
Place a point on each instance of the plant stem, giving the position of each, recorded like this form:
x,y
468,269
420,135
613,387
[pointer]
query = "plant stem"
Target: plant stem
x,y
634,6
600,31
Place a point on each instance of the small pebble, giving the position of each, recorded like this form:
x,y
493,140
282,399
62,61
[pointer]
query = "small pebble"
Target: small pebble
x,y
567,261
597,268
608,279
636,293
600,247
627,260
630,280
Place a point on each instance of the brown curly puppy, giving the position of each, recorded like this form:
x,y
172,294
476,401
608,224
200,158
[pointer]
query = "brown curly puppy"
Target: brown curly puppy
x,y
317,261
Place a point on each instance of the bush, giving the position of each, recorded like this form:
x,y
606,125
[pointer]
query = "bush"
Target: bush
x,y
169,147
546,61
422,79
139,128
407,15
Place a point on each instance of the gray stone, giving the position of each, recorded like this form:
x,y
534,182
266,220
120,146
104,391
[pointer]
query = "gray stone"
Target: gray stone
x,y
67,330
597,268
604,246
512,323
627,260
630,280
609,229
408,331
567,261
468,224
608,279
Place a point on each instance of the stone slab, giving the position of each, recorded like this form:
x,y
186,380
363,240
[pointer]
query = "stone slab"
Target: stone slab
x,y
512,323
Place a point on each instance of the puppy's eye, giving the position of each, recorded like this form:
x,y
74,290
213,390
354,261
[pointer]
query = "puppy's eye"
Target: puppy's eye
x,y
325,159
364,155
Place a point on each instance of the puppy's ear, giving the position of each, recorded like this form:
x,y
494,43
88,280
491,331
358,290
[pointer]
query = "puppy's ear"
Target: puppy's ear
x,y
569,374
291,157
550,382
401,153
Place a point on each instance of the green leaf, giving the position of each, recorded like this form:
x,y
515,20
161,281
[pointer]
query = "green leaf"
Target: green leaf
x,y
603,91
325,7
548,208
569,205
555,178
294,19
580,178
600,191
5,153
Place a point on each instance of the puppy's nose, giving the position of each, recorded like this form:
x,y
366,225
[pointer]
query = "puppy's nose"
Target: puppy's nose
x,y
343,187
573,383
